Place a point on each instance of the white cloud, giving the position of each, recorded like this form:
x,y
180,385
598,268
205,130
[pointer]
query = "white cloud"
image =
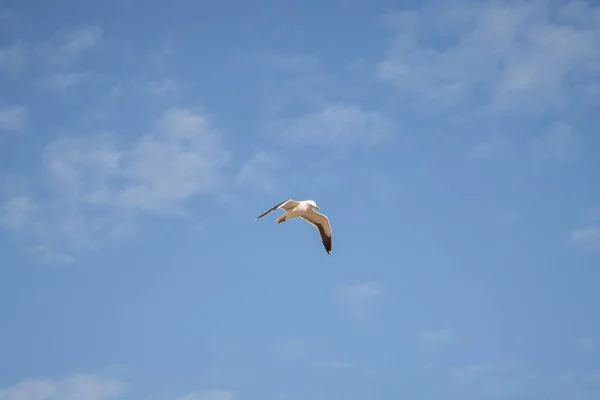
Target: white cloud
x,y
588,237
63,50
75,387
183,161
587,345
502,54
47,254
13,118
471,372
508,380
88,387
80,40
495,148
360,292
440,337
59,51
65,80
337,126
101,187
25,219
17,212
334,365
258,171
162,170
209,395
81,167
359,297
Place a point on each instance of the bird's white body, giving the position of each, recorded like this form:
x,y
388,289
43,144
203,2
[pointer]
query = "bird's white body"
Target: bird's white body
x,y
304,210
295,212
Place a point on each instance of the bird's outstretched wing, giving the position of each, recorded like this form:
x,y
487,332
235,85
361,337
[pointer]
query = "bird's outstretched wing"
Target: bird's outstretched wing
x,y
286,205
321,222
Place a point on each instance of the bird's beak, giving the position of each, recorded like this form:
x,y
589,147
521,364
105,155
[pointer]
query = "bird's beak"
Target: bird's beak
x,y
317,207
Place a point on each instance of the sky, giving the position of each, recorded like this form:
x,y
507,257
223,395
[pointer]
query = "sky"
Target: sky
x,y
452,144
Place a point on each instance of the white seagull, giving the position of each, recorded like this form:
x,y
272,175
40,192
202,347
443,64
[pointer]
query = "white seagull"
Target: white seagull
x,y
304,209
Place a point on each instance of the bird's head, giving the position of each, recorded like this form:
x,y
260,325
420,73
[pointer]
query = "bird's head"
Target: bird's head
x,y
313,204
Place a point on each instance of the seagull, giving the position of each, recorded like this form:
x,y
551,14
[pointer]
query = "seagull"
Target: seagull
x,y
304,209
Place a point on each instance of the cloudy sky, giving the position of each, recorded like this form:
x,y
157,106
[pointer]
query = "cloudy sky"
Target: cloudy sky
x,y
453,144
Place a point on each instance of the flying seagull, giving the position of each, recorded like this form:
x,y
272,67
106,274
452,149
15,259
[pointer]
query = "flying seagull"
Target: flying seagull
x,y
304,209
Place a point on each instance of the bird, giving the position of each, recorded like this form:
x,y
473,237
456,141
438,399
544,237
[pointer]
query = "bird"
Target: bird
x,y
305,210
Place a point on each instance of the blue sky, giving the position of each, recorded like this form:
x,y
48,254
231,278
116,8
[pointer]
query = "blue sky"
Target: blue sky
x,y
453,145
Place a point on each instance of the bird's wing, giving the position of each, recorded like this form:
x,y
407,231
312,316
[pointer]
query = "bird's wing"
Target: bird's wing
x,y
286,205
321,222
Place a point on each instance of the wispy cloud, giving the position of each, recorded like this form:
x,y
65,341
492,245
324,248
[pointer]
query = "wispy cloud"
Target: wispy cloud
x,y
358,297
65,49
17,212
13,118
29,222
442,337
209,395
509,380
180,159
65,80
100,186
334,365
258,172
58,51
360,292
506,55
75,387
45,253
336,126
83,386
471,372
587,237
496,148
80,40
528,156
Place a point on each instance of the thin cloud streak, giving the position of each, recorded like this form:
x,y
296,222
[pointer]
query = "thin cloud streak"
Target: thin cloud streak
x,y
101,187
336,127
74,387
209,395
587,237
442,337
511,56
